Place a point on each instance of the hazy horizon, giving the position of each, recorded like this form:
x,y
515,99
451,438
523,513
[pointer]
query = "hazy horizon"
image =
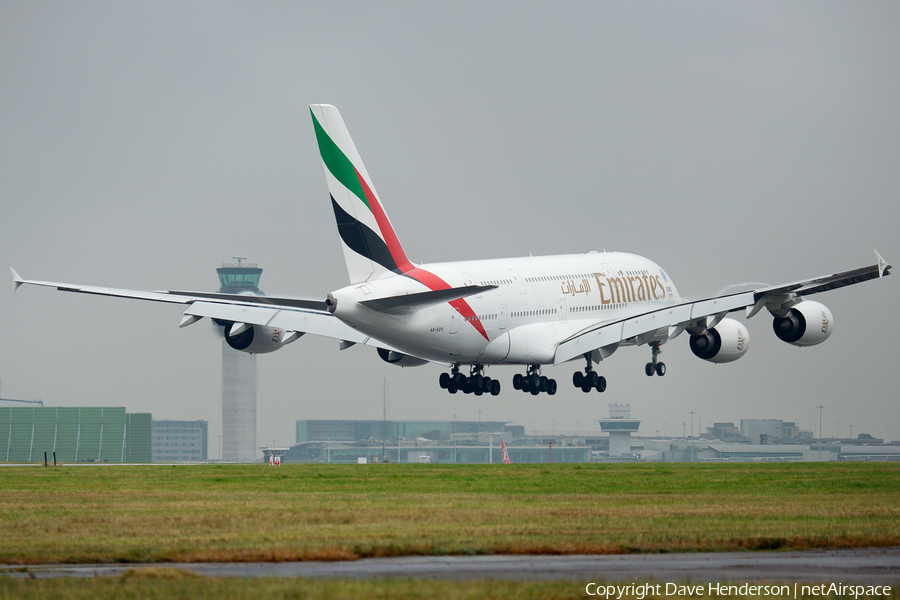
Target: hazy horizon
x,y
145,144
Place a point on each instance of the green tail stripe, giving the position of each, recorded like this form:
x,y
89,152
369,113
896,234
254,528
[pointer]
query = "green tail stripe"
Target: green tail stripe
x,y
338,163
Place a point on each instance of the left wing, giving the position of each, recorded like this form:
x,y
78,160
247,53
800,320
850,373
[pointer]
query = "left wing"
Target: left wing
x,y
290,314
703,314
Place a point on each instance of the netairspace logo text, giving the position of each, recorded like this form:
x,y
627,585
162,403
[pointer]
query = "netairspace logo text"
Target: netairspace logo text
x,y
643,590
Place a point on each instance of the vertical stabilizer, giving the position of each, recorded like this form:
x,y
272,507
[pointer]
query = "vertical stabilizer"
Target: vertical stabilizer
x,y
506,460
371,248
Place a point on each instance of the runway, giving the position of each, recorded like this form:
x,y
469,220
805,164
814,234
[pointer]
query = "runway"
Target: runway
x,y
866,566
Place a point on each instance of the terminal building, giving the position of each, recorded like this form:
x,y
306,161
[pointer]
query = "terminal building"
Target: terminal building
x,y
350,441
179,441
75,434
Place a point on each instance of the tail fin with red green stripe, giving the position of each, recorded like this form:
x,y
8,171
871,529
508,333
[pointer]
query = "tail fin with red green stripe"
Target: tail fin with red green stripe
x,y
371,247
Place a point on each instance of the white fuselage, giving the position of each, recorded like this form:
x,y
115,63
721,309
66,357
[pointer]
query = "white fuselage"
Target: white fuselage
x,y
538,303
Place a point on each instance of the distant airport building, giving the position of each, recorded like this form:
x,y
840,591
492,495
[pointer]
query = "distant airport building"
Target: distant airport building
x,y
179,441
76,434
620,426
449,442
239,374
348,430
759,430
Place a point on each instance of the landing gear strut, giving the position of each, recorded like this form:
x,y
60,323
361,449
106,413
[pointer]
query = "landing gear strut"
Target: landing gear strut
x,y
655,366
532,381
476,383
590,379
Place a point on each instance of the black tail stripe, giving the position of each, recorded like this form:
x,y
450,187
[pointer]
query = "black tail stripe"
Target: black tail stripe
x,y
362,240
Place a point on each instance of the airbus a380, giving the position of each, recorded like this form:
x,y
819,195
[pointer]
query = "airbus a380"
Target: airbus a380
x,y
531,311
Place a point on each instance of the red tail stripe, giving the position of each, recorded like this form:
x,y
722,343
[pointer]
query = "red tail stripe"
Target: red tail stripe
x,y
390,237
430,280
434,282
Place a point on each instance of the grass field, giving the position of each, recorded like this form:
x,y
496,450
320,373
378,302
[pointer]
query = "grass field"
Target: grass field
x,y
172,585
337,512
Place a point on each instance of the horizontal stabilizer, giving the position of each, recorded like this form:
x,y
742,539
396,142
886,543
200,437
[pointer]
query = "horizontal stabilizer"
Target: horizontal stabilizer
x,y
17,280
407,302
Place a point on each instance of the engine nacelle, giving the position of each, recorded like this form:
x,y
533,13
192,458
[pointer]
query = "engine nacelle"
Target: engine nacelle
x,y
401,360
808,323
256,339
726,342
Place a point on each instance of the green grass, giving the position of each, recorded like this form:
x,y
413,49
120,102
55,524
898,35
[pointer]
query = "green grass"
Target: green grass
x,y
334,512
170,584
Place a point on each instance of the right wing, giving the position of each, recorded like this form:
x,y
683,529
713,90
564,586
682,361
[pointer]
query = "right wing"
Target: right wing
x,y
606,336
290,314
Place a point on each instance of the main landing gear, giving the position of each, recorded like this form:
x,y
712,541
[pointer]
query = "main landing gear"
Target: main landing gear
x,y
590,379
532,381
654,366
476,383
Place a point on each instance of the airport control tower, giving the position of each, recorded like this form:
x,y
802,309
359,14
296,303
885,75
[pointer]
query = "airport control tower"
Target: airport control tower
x,y
238,372
619,426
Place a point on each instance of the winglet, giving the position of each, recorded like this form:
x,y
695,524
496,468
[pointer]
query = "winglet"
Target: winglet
x,y
17,280
883,267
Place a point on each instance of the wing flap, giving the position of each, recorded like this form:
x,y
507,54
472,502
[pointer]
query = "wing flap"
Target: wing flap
x,y
696,314
317,323
644,325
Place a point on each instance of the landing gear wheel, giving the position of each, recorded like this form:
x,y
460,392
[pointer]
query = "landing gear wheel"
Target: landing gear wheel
x,y
577,378
452,388
649,369
601,384
517,381
495,387
543,385
535,383
586,387
460,380
444,380
551,387
535,391
660,369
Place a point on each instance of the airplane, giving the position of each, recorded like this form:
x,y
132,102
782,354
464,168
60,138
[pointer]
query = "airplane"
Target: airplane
x,y
506,460
530,311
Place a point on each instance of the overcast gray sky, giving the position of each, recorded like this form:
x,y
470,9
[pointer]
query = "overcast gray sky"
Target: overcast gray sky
x,y
143,144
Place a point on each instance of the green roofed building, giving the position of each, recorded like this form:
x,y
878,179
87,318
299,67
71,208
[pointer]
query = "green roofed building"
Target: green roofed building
x,y
76,434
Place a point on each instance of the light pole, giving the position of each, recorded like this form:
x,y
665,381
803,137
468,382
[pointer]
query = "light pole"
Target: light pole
x,y
820,407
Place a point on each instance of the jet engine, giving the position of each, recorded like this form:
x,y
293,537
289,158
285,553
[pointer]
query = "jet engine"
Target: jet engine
x,y
255,339
807,323
726,342
401,360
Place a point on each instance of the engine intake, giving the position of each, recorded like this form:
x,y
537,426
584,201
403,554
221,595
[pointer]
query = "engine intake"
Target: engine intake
x,y
256,339
726,342
808,323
